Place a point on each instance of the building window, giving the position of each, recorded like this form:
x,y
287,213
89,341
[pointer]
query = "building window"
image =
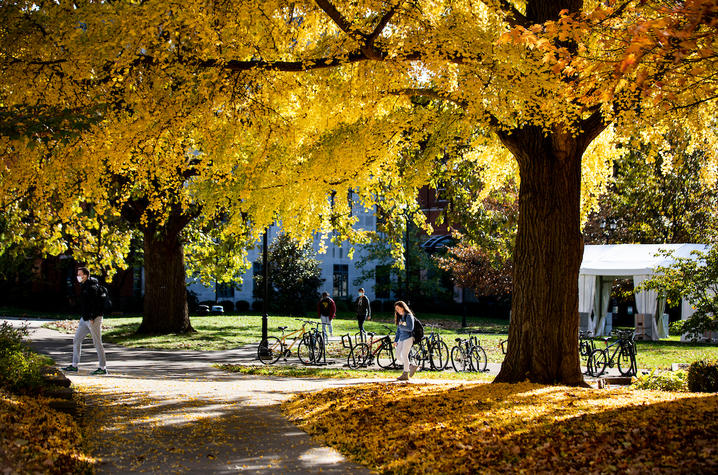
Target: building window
x,y
382,279
224,291
341,280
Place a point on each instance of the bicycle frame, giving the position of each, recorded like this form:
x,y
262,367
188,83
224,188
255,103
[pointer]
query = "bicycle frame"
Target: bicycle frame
x,y
283,339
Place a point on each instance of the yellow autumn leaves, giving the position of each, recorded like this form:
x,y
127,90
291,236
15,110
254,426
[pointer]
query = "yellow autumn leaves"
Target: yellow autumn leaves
x,y
37,439
395,428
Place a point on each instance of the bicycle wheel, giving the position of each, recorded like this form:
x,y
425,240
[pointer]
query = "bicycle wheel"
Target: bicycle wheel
x,y
309,350
269,350
596,363
358,356
319,347
459,359
385,356
416,356
626,362
438,355
478,359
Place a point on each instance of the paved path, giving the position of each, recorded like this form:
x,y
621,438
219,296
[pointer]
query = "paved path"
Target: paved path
x,y
172,411
161,411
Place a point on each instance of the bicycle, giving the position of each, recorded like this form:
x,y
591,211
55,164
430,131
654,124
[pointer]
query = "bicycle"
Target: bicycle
x,y
435,353
438,349
586,345
468,355
364,354
309,350
624,356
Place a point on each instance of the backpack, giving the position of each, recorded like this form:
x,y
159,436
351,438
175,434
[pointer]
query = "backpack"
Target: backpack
x,y
104,304
418,331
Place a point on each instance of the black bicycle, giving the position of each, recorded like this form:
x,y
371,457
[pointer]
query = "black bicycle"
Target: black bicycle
x,y
623,355
468,355
430,353
586,344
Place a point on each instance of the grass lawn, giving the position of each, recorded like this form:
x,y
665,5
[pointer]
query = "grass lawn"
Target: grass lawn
x,y
222,332
512,428
314,372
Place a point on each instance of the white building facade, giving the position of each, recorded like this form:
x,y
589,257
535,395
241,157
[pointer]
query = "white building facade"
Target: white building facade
x,y
339,272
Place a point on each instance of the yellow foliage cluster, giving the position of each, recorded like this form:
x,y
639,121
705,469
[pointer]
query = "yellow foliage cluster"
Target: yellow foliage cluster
x,y
516,428
37,439
196,109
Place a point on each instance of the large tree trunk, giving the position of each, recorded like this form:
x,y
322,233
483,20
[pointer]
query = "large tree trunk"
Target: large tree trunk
x,y
165,304
543,334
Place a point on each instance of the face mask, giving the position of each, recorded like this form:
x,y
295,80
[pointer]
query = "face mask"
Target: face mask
x,y
79,279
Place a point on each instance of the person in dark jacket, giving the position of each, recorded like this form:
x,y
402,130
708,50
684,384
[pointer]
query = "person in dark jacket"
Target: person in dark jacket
x,y
91,310
363,309
327,311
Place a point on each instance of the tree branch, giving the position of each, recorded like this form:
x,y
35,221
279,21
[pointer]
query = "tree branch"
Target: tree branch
x,y
340,21
512,16
382,24
592,126
430,93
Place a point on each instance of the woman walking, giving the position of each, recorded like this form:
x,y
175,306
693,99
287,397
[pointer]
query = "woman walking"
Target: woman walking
x,y
403,339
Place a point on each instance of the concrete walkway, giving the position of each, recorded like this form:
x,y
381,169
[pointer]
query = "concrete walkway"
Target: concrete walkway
x,y
172,412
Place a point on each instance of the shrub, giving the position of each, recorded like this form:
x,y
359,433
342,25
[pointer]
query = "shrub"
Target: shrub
x,y
665,381
703,376
228,305
21,369
242,305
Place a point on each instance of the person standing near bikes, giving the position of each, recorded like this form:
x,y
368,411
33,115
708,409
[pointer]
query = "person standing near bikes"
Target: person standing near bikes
x,y
327,311
404,339
363,309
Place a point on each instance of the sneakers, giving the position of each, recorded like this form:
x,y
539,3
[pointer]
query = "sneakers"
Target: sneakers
x,y
72,369
99,371
404,377
412,369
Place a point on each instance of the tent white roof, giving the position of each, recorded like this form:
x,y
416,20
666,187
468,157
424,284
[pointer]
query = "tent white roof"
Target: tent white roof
x,y
631,259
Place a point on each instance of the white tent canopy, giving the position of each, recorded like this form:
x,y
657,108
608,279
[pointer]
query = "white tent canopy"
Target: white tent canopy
x,y
602,263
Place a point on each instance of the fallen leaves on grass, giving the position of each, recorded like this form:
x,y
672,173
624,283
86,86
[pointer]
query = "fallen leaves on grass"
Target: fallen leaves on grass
x,y
294,371
37,439
397,428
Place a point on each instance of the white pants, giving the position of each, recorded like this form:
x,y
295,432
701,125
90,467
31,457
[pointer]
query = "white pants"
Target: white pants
x,y
93,327
326,322
402,352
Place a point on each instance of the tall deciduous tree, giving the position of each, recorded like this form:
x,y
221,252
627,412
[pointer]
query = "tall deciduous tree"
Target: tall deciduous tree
x,y
660,201
549,82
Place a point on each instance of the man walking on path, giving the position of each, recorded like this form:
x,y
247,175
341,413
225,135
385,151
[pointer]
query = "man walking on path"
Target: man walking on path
x,y
363,309
92,303
327,311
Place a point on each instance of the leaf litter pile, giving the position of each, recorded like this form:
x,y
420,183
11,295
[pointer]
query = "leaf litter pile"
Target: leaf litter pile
x,y
37,439
493,428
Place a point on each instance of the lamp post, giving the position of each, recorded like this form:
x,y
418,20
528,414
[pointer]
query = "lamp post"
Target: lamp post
x,y
265,272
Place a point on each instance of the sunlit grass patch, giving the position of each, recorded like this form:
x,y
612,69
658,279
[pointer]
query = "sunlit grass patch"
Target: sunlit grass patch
x,y
223,332
400,428
319,372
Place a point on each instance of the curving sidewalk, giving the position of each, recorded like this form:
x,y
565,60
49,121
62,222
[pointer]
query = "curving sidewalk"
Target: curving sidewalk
x,y
162,411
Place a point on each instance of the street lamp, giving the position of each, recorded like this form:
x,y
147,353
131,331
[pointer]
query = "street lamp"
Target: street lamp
x,y
265,272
